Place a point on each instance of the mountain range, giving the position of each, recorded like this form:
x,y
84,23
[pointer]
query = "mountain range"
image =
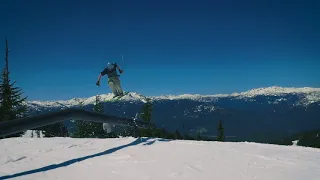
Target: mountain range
x,y
260,115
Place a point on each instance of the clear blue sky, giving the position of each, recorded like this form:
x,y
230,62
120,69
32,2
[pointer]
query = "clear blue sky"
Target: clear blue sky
x,y
59,47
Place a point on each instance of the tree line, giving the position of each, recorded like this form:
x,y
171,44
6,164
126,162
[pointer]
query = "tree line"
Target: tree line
x,y
95,130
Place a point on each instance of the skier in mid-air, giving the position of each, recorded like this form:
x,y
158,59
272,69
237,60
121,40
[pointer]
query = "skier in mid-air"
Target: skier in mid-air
x,y
113,78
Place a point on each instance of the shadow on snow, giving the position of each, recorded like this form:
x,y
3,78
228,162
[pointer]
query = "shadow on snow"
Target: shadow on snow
x,y
72,161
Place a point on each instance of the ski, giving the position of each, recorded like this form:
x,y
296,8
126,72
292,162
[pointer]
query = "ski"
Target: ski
x,y
116,98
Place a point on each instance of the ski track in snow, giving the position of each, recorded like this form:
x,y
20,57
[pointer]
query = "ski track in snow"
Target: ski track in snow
x,y
156,159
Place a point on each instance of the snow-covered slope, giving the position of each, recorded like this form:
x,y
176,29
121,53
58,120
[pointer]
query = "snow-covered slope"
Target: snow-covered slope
x,y
156,159
310,95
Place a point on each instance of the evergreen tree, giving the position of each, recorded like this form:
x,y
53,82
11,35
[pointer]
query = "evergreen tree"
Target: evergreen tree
x,y
54,130
221,136
98,107
81,126
91,129
177,135
146,114
310,139
82,129
188,137
97,128
198,136
146,111
58,129
12,104
38,133
164,133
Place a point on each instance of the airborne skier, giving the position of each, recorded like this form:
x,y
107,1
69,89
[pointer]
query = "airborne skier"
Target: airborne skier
x,y
113,78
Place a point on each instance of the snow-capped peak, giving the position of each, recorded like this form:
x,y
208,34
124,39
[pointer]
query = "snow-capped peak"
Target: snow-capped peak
x,y
273,90
276,90
311,95
132,96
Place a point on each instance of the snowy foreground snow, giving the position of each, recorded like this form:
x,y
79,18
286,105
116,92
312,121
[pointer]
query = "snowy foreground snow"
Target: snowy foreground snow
x,y
156,159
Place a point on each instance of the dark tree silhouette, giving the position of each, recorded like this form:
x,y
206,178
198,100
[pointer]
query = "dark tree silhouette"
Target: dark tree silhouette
x,y
12,104
221,136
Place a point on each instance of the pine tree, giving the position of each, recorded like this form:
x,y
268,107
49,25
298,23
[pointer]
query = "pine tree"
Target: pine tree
x,y
55,130
188,137
97,128
91,129
146,114
80,126
12,104
98,107
58,129
221,136
82,129
198,136
38,133
177,135
146,111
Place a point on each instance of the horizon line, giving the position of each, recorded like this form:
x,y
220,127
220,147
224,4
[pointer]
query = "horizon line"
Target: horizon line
x,y
192,94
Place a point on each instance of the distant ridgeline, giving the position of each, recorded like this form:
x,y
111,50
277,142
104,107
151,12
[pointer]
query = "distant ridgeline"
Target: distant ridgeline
x,y
260,115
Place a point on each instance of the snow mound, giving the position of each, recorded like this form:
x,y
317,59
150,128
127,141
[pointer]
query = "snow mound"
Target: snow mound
x,y
157,159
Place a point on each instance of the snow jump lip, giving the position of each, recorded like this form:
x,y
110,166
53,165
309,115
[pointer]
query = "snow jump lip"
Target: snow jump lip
x,y
22,124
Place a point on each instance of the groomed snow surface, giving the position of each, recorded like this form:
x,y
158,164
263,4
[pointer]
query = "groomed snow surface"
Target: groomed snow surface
x,y
157,159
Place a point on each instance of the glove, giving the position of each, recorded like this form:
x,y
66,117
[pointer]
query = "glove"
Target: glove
x,y
98,83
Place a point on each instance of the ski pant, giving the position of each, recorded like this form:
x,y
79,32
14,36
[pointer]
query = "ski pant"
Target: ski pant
x,y
115,86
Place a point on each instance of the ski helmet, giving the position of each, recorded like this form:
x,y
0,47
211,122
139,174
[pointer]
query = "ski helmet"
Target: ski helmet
x,y
110,66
